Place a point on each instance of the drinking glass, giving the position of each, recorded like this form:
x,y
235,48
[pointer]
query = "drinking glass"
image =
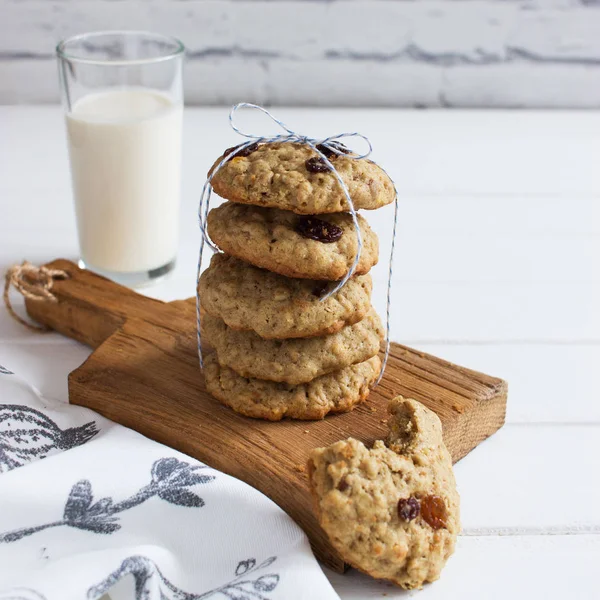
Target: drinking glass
x,y
123,100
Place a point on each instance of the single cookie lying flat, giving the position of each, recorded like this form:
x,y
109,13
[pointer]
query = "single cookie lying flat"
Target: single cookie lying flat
x,y
293,361
272,239
293,177
393,511
278,307
333,393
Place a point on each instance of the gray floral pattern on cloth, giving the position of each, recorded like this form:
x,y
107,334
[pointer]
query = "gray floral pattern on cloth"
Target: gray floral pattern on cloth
x,y
26,434
146,574
5,371
170,480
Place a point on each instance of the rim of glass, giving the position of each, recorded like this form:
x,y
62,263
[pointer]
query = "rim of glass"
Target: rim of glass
x,y
63,53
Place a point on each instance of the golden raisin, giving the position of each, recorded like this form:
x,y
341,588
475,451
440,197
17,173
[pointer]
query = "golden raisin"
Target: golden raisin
x,y
434,511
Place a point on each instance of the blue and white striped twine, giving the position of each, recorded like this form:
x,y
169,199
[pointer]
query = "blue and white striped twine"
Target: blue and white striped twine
x,y
292,136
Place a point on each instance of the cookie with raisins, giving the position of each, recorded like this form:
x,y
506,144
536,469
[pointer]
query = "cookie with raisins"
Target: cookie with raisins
x,y
294,177
321,248
391,511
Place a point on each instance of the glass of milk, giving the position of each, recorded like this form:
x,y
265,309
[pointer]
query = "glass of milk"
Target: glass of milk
x,y
123,99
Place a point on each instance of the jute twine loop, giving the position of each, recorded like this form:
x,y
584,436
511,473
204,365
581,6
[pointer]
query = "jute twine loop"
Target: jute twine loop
x,y
34,283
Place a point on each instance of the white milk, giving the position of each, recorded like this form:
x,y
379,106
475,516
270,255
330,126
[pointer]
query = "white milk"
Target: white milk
x,y
125,150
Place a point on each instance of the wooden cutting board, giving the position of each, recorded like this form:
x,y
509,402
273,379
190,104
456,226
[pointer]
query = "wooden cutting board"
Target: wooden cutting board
x,y
144,374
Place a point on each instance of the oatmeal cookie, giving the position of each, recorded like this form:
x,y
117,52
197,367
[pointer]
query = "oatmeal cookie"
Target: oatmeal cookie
x,y
277,307
336,392
293,361
282,242
391,511
293,177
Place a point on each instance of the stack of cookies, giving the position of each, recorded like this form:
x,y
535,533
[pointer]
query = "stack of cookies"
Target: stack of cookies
x,y
277,350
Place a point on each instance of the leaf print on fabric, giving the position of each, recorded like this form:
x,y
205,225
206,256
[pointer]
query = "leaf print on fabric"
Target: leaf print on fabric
x,y
27,434
5,371
81,514
170,478
266,583
79,500
163,468
244,566
170,471
181,497
148,577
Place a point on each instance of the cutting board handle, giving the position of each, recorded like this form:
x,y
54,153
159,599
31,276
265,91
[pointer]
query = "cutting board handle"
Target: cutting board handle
x,y
89,307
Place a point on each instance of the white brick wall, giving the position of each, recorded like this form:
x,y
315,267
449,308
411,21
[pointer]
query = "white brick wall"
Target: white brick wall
x,y
345,52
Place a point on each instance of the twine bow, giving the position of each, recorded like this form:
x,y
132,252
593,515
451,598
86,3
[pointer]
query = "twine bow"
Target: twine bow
x,y
290,136
34,283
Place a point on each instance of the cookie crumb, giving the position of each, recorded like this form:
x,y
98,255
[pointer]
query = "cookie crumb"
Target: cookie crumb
x,y
300,468
372,409
384,421
458,408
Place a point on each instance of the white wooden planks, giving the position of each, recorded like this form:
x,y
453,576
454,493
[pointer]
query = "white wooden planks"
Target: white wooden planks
x,y
548,383
492,153
497,568
532,479
496,269
488,312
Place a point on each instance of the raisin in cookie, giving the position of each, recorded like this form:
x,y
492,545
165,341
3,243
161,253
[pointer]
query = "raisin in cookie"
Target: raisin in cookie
x,y
333,393
278,307
292,245
293,177
392,511
293,361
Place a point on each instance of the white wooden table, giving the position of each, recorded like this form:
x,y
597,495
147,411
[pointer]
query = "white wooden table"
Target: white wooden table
x,y
497,269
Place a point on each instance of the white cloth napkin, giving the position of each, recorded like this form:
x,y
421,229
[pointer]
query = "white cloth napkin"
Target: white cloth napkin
x,y
109,511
